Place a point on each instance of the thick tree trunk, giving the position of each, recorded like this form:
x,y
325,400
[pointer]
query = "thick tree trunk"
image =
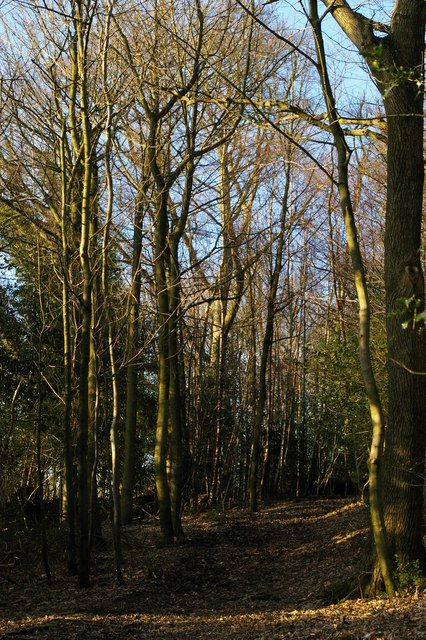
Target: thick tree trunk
x,y
396,62
405,437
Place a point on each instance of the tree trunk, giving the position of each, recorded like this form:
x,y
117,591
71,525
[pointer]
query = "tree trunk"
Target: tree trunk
x,y
161,441
115,466
405,437
85,309
108,320
396,62
68,452
66,230
40,474
98,301
227,306
175,395
266,346
95,528
132,369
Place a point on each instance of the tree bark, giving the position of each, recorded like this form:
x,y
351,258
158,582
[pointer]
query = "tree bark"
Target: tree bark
x,y
396,62
160,454
68,453
85,306
132,368
405,438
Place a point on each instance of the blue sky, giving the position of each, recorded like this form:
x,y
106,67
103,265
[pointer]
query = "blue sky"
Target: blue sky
x,y
353,82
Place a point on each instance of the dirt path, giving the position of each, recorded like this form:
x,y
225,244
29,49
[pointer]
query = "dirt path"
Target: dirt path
x,y
236,576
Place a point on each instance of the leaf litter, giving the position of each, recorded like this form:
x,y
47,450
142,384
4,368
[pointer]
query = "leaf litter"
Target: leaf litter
x,y
236,575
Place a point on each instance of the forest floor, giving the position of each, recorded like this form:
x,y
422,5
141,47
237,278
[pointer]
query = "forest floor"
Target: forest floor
x,y
235,576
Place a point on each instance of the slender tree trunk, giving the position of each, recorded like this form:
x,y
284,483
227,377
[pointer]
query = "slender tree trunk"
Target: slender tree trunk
x,y
377,418
68,445
227,305
301,418
265,484
161,441
175,410
177,416
40,478
396,62
70,489
95,527
115,463
132,368
266,346
83,427
8,436
40,474
85,309
217,460
108,319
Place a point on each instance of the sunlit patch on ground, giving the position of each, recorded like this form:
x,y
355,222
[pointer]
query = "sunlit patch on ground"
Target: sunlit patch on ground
x,y
238,576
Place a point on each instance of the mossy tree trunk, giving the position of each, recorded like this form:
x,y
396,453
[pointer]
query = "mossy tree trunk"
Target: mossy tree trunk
x,y
395,59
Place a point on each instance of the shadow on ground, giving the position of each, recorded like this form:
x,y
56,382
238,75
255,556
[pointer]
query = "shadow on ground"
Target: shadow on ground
x,y
236,576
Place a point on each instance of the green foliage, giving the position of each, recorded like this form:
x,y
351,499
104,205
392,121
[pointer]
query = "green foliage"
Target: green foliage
x,y
396,74
340,423
374,56
408,576
216,514
339,395
410,311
